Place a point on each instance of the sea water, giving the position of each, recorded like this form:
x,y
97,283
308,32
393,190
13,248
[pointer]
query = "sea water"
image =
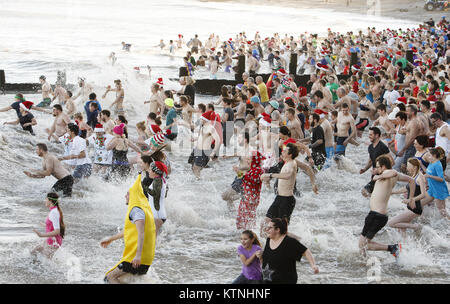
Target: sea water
x,y
198,242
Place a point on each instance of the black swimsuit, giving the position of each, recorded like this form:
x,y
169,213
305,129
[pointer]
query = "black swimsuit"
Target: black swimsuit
x,y
418,209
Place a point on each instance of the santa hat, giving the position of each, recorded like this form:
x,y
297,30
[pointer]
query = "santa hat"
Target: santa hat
x,y
431,98
119,129
265,120
179,35
399,53
302,91
355,67
160,81
321,113
282,72
208,116
401,100
213,49
137,68
157,140
322,67
26,105
155,129
159,168
369,66
286,99
99,128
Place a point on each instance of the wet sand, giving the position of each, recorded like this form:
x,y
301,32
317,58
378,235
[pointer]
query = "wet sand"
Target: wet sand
x,y
399,9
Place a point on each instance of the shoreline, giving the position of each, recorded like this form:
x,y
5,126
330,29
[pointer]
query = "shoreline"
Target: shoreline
x,y
399,9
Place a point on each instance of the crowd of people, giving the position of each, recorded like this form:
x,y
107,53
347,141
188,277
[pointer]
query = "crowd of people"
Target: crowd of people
x,y
275,127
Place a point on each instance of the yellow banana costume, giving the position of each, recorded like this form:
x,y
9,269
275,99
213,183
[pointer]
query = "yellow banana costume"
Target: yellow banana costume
x,y
130,234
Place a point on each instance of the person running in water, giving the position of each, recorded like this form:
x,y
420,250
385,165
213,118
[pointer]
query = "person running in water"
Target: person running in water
x,y
120,95
155,188
25,118
46,91
284,202
202,151
404,219
251,189
54,228
59,127
52,166
385,180
139,237
251,265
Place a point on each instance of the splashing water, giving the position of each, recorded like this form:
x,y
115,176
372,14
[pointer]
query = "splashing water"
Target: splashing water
x,y
198,242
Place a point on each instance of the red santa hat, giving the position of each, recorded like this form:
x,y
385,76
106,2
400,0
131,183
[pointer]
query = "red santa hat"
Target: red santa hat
x,y
137,68
208,116
282,72
26,105
322,67
179,35
302,91
155,129
356,67
432,98
401,100
369,66
399,53
265,120
321,113
213,49
160,81
99,128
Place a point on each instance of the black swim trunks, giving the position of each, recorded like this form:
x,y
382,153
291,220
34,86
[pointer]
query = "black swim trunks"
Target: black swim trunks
x,y
282,207
418,209
65,185
373,223
128,268
200,158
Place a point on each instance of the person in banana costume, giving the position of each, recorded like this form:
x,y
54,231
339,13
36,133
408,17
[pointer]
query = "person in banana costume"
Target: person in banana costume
x,y
139,236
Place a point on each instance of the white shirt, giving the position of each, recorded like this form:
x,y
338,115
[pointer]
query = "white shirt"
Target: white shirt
x,y
101,156
391,97
65,139
79,145
53,216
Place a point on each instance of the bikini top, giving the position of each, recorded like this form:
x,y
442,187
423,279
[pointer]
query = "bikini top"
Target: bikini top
x,y
425,163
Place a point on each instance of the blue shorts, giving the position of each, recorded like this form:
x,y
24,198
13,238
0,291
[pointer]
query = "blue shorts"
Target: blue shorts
x,y
330,152
82,171
340,148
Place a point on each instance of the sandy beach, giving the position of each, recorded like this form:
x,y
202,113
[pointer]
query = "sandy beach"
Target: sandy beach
x,y
399,9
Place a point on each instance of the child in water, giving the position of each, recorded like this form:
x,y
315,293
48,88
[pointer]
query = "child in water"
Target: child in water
x,y
54,228
251,265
